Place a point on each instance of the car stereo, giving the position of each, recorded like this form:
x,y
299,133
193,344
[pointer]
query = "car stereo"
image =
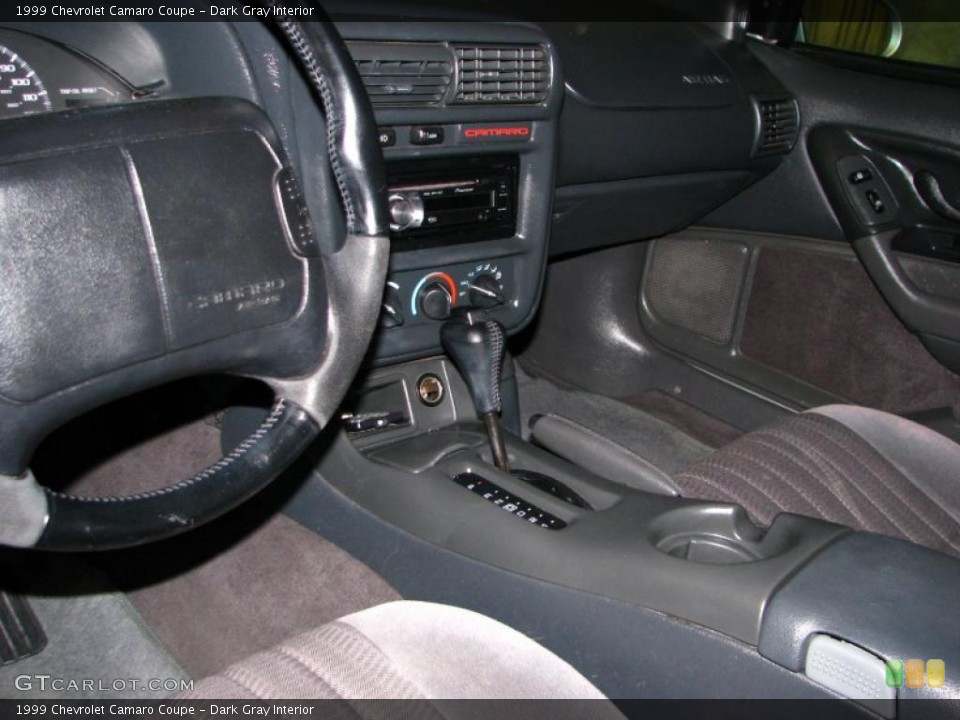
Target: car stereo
x,y
452,200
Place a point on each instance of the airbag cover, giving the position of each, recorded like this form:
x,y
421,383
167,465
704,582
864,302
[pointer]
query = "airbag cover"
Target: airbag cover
x,y
136,252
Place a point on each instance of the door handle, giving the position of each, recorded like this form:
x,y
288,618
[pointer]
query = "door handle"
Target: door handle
x,y
930,192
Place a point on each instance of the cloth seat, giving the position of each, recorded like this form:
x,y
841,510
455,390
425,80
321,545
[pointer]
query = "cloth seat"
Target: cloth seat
x,y
407,650
851,465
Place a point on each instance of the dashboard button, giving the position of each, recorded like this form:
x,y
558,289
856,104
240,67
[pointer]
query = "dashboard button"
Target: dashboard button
x,y
388,136
426,135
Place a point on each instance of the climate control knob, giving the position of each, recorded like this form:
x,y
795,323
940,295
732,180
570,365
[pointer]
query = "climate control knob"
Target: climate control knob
x,y
485,291
435,300
406,211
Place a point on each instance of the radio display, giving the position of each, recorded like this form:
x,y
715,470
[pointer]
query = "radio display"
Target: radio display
x,y
460,202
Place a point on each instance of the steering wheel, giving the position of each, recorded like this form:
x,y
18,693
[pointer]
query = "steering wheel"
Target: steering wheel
x,y
155,241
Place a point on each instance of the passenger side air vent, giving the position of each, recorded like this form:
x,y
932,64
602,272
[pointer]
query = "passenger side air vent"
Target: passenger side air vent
x,y
778,125
491,74
398,74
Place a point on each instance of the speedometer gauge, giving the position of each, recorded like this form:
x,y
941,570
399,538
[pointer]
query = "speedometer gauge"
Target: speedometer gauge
x,y
21,90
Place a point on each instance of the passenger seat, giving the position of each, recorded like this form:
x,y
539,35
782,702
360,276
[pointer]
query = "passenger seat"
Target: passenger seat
x,y
855,466
851,465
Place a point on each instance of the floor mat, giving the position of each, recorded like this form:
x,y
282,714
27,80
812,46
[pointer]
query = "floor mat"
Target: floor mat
x,y
696,423
98,646
660,443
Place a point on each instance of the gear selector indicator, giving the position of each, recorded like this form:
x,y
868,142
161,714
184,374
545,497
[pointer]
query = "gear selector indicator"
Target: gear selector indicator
x,y
515,506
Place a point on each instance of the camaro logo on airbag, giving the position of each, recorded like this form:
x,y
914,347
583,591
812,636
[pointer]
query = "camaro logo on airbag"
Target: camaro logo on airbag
x,y
266,292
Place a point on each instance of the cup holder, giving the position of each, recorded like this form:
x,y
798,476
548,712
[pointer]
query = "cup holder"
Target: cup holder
x,y
715,535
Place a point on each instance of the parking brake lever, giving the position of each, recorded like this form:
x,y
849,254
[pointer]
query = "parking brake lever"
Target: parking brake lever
x,y
477,344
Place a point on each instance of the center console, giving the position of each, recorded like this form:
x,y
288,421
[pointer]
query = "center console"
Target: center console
x,y
639,561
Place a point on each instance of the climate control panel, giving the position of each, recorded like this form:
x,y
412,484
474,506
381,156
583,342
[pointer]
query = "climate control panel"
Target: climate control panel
x,y
429,296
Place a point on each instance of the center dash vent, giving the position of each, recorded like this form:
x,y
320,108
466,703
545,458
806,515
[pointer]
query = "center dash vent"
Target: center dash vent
x,y
397,74
502,74
778,124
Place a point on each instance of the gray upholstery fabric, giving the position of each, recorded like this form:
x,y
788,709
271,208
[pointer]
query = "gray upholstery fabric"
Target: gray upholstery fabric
x,y
902,480
930,460
406,650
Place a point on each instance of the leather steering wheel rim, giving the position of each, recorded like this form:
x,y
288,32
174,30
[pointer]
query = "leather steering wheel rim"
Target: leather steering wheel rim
x,y
33,516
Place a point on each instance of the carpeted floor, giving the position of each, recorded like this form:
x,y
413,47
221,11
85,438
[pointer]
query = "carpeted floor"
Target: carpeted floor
x,y
280,580
93,634
696,423
213,596
820,318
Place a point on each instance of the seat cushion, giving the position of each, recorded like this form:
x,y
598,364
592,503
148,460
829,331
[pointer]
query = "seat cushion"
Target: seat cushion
x,y
405,650
867,469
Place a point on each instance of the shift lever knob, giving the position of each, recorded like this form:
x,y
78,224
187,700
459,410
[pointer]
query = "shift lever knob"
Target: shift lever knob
x,y
477,344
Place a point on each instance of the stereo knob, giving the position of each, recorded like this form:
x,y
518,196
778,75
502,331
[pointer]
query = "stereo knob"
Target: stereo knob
x,y
484,291
406,211
435,301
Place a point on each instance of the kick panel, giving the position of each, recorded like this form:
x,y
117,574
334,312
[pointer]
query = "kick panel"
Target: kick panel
x,y
694,285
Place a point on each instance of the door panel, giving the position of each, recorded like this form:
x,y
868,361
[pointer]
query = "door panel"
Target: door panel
x,y
852,289
898,200
797,318
791,201
818,317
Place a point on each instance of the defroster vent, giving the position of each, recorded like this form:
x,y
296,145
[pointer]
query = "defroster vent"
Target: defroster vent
x,y
778,125
501,74
398,74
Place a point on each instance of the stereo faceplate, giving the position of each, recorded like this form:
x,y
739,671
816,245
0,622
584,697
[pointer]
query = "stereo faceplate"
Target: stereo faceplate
x,y
440,202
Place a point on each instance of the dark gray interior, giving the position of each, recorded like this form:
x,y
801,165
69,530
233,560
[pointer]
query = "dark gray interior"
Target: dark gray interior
x,y
662,220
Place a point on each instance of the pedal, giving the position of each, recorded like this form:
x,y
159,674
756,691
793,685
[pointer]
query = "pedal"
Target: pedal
x,y
21,634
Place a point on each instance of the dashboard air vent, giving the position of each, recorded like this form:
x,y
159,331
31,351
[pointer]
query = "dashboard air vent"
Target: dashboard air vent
x,y
397,74
778,125
502,74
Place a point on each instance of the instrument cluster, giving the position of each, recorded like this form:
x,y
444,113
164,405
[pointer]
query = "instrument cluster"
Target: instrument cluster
x,y
38,75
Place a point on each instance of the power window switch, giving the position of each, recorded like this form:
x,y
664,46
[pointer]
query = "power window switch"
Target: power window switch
x,y
876,202
858,177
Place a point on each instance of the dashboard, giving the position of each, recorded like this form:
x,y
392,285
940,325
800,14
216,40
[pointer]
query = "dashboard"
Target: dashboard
x,y
505,142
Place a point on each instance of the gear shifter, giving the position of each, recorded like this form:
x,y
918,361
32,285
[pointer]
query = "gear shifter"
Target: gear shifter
x,y
476,344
